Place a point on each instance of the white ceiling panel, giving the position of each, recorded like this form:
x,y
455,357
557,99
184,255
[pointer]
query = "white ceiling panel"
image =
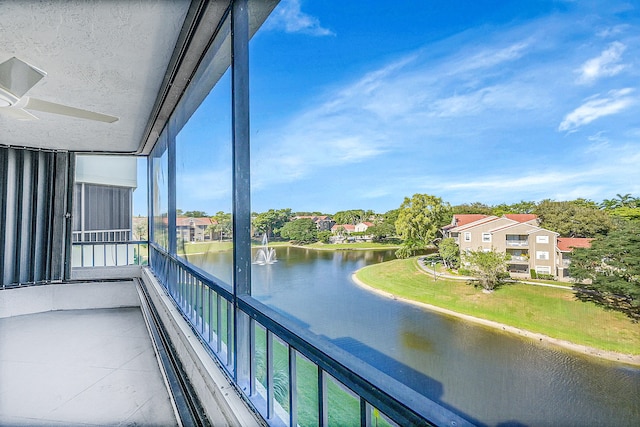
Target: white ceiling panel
x,y
104,56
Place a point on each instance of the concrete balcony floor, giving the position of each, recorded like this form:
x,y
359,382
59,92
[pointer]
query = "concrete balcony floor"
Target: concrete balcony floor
x,y
81,368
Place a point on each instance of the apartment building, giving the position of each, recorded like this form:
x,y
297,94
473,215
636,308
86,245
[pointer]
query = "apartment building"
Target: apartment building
x,y
530,247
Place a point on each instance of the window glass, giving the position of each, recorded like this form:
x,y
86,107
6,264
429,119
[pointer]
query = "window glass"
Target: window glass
x,y
366,118
542,239
204,168
542,255
104,191
159,159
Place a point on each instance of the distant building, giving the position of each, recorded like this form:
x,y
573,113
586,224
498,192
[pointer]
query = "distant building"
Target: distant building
x,y
103,198
342,229
565,248
193,229
361,227
529,246
323,222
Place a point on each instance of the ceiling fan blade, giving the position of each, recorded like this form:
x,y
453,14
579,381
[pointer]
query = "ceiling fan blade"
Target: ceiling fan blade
x,y
52,107
18,77
17,113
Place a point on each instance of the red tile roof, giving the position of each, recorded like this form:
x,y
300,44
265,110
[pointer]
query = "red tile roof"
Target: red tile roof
x,y
566,244
464,219
347,227
187,222
521,217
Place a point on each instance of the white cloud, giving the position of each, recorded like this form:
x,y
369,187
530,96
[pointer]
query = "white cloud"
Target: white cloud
x,y
607,64
492,57
289,17
612,31
486,102
596,107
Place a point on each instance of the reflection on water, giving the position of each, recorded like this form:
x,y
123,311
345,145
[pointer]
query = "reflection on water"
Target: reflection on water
x,y
488,376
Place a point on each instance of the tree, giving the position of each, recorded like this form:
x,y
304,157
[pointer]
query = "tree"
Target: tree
x,y
608,273
270,221
385,226
382,231
300,231
324,236
522,207
419,219
572,219
472,208
449,252
195,214
626,213
222,223
621,201
489,267
140,228
352,216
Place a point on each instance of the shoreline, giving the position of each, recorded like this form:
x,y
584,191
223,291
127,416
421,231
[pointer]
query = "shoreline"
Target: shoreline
x,y
345,249
576,348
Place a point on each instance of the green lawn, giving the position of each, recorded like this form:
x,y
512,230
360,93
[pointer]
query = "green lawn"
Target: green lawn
x,y
550,311
203,247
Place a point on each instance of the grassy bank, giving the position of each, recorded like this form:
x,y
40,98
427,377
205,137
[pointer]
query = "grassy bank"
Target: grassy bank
x,y
549,311
204,247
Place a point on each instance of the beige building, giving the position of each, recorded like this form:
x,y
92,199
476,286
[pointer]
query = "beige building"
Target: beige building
x,y
566,245
193,229
530,247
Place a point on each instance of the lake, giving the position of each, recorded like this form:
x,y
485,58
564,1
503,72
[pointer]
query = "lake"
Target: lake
x,y
486,376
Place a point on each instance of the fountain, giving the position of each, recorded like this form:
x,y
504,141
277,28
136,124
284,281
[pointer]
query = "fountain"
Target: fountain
x,y
265,255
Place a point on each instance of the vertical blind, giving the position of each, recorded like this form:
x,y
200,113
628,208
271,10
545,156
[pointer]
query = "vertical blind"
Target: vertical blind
x,y
34,224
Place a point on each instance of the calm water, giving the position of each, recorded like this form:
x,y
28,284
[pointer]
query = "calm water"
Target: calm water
x,y
488,377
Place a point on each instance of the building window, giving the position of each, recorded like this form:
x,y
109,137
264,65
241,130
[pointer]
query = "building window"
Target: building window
x,y
486,237
467,236
543,270
542,255
542,239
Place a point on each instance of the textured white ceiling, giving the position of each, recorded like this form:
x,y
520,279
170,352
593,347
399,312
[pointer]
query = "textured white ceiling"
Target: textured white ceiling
x,y
104,56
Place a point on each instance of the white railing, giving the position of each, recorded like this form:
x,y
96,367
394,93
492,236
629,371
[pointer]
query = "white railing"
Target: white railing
x,y
109,254
120,235
517,243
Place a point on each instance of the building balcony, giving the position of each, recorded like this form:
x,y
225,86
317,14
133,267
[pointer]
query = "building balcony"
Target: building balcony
x,y
517,243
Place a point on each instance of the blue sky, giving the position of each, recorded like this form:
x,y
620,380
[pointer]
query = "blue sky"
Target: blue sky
x,y
356,105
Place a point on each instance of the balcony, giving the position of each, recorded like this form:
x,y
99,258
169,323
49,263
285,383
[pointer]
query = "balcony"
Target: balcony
x,y
519,259
68,358
517,243
95,352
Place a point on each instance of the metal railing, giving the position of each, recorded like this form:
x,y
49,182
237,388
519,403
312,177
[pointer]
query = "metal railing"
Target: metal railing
x,y
517,243
119,235
109,254
295,377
